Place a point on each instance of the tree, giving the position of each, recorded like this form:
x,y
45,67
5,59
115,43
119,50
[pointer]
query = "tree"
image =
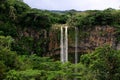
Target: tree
x,y
103,63
8,58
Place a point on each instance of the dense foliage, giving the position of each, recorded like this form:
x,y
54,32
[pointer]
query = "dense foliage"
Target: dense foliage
x,y
95,17
103,63
91,18
24,41
17,19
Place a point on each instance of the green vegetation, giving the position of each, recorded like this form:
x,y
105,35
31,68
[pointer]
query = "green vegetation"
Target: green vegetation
x,y
103,63
24,43
26,25
91,18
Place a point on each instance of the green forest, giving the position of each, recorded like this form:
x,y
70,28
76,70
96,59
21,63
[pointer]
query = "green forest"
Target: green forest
x,y
25,43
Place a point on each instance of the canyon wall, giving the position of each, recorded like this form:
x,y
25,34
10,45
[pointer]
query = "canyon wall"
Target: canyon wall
x,y
47,42
88,40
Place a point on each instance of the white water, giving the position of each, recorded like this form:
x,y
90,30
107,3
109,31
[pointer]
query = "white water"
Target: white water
x,y
64,44
61,41
76,45
76,49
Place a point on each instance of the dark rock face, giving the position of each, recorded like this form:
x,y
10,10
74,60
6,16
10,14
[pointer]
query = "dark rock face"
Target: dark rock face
x,y
99,36
47,42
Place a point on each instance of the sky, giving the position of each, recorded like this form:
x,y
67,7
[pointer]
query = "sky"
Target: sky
x,y
80,5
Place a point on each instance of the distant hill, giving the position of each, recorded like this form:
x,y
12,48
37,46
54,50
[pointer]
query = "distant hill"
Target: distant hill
x,y
64,11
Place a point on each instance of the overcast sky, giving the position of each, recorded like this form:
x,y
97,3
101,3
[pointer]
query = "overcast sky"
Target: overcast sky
x,y
73,4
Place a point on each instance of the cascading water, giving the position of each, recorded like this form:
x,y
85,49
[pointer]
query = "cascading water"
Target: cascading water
x,y
76,45
64,44
76,49
61,41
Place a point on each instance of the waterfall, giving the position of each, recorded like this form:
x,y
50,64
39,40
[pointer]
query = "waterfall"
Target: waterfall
x,y
76,45
61,41
76,49
64,44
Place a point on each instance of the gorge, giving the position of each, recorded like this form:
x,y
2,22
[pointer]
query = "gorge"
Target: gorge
x,y
58,45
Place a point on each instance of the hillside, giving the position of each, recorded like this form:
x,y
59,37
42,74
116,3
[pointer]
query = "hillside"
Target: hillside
x,y
30,43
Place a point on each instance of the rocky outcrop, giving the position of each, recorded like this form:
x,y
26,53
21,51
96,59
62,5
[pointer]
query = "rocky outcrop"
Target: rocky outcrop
x,y
48,41
98,36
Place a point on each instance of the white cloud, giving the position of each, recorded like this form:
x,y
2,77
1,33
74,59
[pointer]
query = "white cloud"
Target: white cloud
x,y
73,4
